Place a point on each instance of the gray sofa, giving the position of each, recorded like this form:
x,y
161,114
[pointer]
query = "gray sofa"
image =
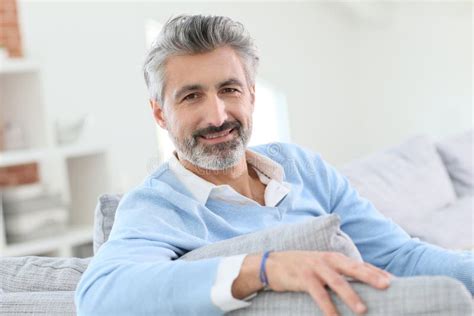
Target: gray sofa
x,y
420,184
423,185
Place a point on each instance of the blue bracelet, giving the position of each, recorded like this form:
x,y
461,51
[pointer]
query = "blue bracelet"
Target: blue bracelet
x,y
263,273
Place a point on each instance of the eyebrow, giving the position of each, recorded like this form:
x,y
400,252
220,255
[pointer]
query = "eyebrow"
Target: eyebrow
x,y
194,87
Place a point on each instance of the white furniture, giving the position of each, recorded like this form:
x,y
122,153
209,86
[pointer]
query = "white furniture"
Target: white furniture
x,y
77,171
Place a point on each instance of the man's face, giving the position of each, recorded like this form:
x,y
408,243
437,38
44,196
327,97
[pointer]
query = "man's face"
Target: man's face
x,y
207,108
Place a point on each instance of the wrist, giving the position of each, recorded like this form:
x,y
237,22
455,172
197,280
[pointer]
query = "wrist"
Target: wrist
x,y
248,281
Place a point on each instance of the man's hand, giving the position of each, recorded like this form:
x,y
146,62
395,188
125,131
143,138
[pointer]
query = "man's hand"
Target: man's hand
x,y
311,271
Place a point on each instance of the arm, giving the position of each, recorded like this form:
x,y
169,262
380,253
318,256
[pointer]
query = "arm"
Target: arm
x,y
135,271
385,244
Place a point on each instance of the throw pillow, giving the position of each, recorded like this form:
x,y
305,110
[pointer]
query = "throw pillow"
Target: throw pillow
x,y
319,234
457,155
104,218
405,182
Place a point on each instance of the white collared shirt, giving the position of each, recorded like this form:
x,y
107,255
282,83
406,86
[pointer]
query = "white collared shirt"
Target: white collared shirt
x,y
269,173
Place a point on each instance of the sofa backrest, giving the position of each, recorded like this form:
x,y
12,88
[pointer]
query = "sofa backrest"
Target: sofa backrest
x,y
404,182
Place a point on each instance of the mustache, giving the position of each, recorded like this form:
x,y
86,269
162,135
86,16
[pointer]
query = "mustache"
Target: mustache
x,y
217,129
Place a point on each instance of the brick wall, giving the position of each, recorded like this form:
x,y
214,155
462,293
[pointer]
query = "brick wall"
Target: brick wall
x,y
9,28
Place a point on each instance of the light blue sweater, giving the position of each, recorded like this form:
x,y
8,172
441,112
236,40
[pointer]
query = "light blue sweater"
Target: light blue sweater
x,y
134,271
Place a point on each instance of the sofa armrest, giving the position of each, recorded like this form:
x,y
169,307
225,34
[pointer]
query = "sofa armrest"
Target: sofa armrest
x,y
36,303
433,295
38,274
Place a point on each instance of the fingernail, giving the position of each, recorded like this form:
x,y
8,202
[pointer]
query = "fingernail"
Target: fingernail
x,y
360,308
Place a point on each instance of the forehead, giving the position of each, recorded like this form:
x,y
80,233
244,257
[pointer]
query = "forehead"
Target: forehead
x,y
202,69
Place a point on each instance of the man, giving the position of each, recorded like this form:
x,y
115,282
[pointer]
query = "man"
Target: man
x,y
201,77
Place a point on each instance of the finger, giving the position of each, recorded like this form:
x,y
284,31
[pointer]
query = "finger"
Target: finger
x,y
376,270
385,273
363,271
342,288
360,270
384,278
321,296
353,268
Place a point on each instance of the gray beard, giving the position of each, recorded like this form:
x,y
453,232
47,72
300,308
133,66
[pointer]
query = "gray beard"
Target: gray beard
x,y
219,156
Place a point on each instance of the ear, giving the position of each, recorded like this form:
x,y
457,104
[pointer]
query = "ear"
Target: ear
x,y
252,94
158,114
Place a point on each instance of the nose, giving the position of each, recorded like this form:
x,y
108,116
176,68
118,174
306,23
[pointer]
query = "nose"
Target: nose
x,y
216,113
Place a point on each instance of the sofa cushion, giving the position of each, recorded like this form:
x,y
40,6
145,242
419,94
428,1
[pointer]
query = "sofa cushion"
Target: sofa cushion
x,y
321,233
405,183
457,155
456,223
104,218
36,274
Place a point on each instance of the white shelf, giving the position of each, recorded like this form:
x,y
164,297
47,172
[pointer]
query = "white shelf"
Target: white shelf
x,y
78,172
15,66
21,156
76,235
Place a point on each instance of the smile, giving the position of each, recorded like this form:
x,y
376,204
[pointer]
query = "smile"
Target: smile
x,y
218,137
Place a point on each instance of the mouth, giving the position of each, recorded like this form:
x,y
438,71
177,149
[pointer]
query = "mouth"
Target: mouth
x,y
219,137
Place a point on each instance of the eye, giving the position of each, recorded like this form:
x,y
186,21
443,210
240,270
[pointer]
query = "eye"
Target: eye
x,y
191,97
229,90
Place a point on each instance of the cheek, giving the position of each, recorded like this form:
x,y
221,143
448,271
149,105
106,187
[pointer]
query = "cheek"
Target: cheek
x,y
172,123
244,115
183,125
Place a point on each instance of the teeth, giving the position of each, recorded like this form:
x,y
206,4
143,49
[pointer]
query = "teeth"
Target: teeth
x,y
215,135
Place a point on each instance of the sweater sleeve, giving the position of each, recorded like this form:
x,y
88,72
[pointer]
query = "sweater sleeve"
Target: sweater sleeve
x,y
135,271
383,243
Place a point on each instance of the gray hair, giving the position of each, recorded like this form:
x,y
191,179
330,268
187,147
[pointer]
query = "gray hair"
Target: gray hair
x,y
195,34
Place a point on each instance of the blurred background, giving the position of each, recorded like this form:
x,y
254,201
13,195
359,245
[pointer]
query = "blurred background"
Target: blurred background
x,y
344,79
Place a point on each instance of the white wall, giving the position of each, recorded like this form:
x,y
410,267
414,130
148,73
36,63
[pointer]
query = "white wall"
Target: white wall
x,y
357,77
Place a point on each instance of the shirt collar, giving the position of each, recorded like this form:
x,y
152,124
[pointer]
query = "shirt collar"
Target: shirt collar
x,y
266,169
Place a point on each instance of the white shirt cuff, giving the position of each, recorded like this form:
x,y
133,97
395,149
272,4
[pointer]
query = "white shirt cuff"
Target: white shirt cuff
x,y
221,291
